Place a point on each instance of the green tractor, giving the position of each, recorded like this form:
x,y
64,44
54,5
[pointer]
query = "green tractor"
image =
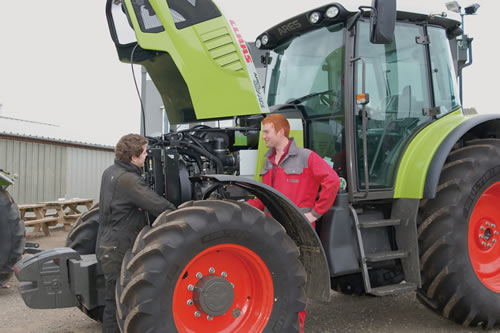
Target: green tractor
x,y
374,93
11,230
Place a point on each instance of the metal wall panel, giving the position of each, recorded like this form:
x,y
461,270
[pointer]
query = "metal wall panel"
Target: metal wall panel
x,y
48,171
85,168
40,169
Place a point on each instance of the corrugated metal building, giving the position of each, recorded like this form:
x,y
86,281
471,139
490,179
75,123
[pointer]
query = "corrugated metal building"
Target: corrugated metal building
x,y
50,169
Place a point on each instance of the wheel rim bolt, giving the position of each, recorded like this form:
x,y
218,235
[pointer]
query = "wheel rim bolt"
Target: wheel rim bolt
x,y
494,241
489,245
199,275
224,274
211,270
496,232
210,318
480,235
484,243
189,302
190,287
493,225
482,228
487,224
197,314
236,313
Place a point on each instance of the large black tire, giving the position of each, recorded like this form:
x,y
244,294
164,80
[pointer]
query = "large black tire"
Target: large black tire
x,y
449,231
11,236
82,238
160,276
83,235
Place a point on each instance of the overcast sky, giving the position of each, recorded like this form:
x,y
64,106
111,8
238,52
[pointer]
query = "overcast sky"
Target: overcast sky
x,y
58,64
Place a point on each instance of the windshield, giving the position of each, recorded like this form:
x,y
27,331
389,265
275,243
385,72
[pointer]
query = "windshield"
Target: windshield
x,y
309,70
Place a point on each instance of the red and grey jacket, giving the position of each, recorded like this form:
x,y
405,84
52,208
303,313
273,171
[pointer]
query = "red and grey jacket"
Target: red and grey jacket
x,y
299,177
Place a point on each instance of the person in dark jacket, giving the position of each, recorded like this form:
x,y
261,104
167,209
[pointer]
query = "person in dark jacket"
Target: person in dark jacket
x,y
299,173
125,201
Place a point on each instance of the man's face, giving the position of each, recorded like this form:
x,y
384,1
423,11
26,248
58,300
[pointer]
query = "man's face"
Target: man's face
x,y
139,161
270,136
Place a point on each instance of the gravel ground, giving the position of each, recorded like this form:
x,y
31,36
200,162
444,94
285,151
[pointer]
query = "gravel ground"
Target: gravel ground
x,y
342,314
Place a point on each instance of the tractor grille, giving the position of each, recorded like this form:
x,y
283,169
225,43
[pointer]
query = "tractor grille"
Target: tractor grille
x,y
221,47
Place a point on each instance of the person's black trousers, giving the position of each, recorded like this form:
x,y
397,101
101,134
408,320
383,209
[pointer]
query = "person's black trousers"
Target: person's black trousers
x,y
110,261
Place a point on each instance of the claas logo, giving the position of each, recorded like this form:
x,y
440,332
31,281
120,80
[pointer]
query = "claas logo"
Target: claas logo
x,y
241,42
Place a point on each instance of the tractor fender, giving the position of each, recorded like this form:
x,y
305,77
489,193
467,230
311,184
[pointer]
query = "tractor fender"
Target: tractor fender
x,y
297,227
439,158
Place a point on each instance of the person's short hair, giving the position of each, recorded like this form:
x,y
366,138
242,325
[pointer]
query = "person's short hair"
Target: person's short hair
x,y
129,145
279,122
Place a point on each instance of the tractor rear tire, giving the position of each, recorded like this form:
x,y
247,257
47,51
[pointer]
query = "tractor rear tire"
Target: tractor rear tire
x,y
458,237
82,238
11,236
212,266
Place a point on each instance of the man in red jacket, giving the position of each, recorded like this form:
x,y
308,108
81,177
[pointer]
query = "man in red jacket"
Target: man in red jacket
x,y
296,172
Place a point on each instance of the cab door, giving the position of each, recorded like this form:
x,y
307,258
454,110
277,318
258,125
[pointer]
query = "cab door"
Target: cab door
x,y
398,83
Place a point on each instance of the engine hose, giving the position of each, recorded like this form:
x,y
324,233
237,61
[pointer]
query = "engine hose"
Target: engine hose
x,y
204,152
194,156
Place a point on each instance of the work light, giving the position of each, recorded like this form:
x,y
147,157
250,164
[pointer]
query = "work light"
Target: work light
x,y
332,12
314,17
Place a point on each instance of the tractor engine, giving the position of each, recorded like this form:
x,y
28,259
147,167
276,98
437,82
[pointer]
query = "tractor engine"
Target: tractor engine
x,y
176,159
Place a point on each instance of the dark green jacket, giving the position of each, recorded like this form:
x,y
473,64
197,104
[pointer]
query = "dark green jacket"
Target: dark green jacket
x,y
125,199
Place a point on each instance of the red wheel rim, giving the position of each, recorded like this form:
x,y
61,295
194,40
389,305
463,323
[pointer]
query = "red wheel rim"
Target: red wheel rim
x,y
484,229
226,265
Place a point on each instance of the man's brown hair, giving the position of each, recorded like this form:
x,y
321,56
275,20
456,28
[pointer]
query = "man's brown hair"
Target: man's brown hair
x,y
279,122
128,146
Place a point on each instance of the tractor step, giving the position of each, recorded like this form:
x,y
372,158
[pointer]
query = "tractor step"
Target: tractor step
x,y
407,253
379,223
389,255
394,289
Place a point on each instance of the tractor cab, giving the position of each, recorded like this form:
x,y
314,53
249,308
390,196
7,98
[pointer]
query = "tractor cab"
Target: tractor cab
x,y
362,99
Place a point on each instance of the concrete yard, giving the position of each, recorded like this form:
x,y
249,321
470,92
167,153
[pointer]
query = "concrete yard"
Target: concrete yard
x,y
343,314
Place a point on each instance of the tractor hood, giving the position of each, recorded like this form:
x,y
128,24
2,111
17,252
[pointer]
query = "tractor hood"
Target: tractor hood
x,y
197,59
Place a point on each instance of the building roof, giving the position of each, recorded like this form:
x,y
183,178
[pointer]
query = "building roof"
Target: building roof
x,y
38,131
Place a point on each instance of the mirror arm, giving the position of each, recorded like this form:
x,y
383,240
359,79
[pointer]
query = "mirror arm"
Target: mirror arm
x,y
356,17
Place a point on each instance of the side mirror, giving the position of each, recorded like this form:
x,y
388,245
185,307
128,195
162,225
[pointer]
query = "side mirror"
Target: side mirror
x,y
382,21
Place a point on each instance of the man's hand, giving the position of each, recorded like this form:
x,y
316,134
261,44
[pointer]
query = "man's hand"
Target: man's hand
x,y
310,217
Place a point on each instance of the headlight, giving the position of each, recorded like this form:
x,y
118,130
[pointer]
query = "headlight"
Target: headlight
x,y
332,12
258,43
265,40
314,17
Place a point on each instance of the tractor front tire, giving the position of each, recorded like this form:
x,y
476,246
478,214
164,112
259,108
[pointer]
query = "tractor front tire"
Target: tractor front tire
x,y
11,236
82,238
212,266
459,237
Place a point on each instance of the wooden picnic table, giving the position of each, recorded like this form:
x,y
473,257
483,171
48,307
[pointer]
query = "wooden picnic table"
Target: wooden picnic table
x,y
51,213
39,218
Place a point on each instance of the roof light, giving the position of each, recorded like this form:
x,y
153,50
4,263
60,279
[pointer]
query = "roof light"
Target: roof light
x,y
265,40
453,6
258,43
332,12
314,17
472,9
